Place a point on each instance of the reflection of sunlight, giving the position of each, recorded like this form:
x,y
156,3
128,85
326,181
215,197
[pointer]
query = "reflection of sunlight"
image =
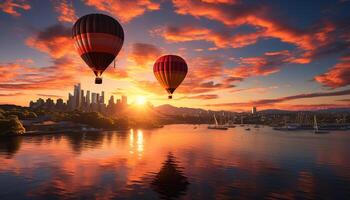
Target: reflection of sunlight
x,y
131,141
139,142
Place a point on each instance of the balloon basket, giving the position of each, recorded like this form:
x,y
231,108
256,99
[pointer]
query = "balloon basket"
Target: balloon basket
x,y
170,97
98,80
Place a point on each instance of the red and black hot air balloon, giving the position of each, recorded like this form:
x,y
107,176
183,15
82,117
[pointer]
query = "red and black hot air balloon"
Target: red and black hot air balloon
x,y
98,39
170,71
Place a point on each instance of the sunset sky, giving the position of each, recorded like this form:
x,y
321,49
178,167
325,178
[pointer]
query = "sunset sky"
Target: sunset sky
x,y
271,54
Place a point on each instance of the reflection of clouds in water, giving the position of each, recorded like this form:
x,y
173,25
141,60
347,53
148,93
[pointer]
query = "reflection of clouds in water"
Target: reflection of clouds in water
x,y
130,165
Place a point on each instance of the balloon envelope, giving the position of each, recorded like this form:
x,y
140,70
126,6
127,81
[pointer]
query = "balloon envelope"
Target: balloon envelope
x,y
98,39
170,71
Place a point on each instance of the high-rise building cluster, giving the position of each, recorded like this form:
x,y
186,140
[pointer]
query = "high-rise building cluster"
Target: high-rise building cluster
x,y
79,100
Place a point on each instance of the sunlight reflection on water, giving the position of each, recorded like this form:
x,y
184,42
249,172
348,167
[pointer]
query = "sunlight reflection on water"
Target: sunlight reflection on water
x,y
176,161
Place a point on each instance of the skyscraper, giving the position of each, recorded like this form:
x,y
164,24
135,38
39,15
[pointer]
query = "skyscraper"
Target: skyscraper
x,y
111,101
93,98
71,102
254,110
124,100
88,97
102,101
77,96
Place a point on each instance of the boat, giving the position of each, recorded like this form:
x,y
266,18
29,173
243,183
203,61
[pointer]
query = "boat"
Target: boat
x,y
217,126
316,129
247,129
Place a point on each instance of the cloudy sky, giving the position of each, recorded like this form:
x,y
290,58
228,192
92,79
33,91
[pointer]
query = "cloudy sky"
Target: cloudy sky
x,y
272,54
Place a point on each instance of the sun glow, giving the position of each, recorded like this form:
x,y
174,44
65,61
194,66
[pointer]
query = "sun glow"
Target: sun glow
x,y
140,100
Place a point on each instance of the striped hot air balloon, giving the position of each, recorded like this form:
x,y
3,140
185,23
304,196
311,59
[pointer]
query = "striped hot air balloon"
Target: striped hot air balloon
x,y
98,39
170,71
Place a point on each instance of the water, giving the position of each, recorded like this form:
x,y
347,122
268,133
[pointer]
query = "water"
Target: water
x,y
177,161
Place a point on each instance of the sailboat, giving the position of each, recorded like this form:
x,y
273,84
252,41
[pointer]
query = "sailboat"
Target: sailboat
x,y
217,126
316,130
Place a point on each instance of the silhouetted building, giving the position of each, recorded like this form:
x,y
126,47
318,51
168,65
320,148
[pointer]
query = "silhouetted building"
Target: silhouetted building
x,y
77,100
124,100
254,111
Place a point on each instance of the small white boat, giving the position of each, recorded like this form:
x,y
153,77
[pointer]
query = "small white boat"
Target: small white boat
x,y
316,129
217,126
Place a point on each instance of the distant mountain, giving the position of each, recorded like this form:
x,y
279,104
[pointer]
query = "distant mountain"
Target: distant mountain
x,y
167,109
329,110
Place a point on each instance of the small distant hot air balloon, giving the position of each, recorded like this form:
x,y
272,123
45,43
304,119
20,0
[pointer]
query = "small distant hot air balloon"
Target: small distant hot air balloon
x,y
98,39
170,71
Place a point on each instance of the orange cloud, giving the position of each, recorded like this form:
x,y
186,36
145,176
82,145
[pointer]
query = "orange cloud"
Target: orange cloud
x,y
124,10
276,101
66,11
11,6
55,40
202,96
268,64
143,54
220,39
337,76
238,14
23,76
12,94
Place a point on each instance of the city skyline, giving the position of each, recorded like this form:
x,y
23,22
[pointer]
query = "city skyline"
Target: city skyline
x,y
90,102
240,54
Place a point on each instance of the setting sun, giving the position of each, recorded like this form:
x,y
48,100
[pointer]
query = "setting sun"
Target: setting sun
x,y
140,100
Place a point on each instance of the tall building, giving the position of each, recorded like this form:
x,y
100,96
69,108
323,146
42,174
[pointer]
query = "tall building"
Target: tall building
x,y
77,96
102,101
93,98
71,102
88,97
111,101
82,100
124,100
254,110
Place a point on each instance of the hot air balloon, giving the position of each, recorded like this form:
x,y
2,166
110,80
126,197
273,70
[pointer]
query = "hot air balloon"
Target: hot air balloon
x,y
98,39
170,71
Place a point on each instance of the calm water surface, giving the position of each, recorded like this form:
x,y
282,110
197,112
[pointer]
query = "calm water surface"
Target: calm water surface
x,y
177,161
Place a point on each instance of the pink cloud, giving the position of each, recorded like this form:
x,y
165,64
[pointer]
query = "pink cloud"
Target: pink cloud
x,y
124,10
265,65
337,76
55,40
65,10
143,54
277,101
220,39
12,6
202,96
257,16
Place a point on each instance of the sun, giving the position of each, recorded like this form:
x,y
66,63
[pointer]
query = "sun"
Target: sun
x,y
140,100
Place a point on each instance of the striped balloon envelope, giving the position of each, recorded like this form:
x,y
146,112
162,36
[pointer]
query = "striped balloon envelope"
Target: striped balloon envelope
x,y
170,71
98,39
